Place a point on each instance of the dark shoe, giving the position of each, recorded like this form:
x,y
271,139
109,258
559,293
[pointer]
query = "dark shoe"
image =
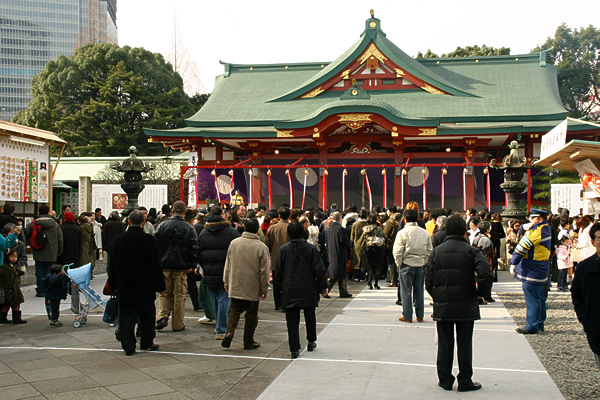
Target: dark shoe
x,y
481,301
295,354
377,287
524,331
130,353
445,385
468,386
178,330
311,346
152,347
327,296
277,308
161,323
370,287
3,318
227,341
346,296
39,295
118,335
197,308
399,302
490,300
17,318
253,346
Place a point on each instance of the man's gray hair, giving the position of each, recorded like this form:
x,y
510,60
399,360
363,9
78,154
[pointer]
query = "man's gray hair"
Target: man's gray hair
x,y
115,215
441,221
337,216
136,217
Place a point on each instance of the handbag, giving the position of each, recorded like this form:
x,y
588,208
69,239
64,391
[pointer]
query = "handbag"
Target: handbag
x,y
7,295
106,291
111,310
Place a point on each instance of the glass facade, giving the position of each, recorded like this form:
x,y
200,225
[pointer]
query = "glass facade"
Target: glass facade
x,y
35,32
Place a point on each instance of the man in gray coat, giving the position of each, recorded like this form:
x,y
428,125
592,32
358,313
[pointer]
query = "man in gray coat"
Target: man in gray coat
x,y
44,258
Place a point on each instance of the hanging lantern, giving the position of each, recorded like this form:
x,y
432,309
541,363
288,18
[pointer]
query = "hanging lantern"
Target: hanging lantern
x,y
306,172
404,172
287,171
383,172
230,172
269,172
213,172
363,171
444,171
250,171
465,170
424,171
486,170
326,172
345,172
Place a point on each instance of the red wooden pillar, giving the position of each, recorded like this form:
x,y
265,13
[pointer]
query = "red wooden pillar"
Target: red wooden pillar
x,y
323,179
397,173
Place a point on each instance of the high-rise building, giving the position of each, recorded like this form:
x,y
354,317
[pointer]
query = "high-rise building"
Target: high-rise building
x,y
33,32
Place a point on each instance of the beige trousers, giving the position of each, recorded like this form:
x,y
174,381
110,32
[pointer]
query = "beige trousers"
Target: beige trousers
x,y
172,300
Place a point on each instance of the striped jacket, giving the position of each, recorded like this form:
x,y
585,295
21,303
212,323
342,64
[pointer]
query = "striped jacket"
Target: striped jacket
x,y
532,254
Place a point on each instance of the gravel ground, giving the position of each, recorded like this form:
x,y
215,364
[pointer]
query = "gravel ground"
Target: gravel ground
x,y
563,348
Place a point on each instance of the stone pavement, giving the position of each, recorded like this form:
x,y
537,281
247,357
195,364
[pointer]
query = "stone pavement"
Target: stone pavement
x,y
363,352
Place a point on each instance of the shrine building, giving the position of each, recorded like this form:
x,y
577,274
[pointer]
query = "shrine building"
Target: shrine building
x,y
373,127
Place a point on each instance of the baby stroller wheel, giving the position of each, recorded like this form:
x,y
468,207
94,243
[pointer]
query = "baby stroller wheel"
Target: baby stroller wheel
x,y
83,320
76,323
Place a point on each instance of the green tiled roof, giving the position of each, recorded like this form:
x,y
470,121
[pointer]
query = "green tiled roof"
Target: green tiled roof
x,y
512,89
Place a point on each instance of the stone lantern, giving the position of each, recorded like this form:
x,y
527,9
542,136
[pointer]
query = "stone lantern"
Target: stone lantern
x,y
133,186
514,167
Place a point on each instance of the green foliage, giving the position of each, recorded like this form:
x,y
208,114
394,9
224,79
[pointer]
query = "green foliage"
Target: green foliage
x,y
100,99
542,181
469,51
198,100
576,53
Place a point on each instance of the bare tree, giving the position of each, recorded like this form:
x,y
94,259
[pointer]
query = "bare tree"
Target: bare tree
x,y
94,26
183,63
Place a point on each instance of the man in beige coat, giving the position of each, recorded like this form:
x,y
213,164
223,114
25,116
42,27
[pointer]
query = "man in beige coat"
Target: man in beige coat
x,y
276,237
246,279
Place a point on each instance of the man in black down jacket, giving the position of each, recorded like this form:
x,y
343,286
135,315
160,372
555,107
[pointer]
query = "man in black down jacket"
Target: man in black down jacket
x,y
178,253
300,275
455,275
71,241
134,272
586,296
213,242
113,227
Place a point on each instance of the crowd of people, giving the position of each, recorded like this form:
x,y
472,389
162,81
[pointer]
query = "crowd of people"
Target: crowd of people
x,y
226,258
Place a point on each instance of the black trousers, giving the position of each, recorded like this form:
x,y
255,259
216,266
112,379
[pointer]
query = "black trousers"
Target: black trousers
x,y
129,314
292,317
445,354
238,306
193,289
53,309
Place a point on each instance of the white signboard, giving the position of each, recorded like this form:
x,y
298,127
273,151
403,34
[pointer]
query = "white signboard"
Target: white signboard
x,y
193,195
554,139
566,195
113,198
24,171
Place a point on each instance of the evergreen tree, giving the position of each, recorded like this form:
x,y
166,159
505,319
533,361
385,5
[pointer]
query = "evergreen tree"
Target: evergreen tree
x,y
100,99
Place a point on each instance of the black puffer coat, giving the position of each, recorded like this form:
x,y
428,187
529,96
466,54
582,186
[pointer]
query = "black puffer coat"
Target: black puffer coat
x,y
299,274
450,276
213,242
71,244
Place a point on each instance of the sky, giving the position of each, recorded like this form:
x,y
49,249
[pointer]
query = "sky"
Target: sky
x,y
264,32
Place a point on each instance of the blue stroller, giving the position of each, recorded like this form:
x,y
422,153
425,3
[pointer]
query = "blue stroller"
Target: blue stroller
x,y
80,277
